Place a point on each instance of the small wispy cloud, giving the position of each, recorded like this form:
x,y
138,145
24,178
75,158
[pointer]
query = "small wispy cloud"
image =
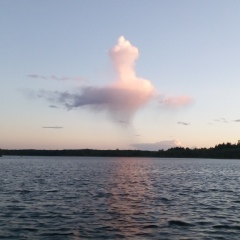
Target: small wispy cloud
x,y
54,77
53,106
123,122
35,76
237,120
175,102
183,123
53,127
220,120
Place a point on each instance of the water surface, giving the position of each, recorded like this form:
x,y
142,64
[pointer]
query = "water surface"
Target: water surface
x,y
119,198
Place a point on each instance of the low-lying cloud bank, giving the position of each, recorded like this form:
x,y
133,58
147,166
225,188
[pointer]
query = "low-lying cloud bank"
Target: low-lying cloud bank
x,y
162,145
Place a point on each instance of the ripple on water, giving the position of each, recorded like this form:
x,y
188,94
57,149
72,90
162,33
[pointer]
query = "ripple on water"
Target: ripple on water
x,y
233,227
180,223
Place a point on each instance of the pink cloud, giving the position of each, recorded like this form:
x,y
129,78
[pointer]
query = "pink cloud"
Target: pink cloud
x,y
121,98
177,101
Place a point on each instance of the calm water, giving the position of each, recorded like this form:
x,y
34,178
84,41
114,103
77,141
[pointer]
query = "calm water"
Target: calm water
x,y
114,198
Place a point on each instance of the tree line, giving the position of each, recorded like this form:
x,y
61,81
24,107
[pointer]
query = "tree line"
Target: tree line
x,y
221,151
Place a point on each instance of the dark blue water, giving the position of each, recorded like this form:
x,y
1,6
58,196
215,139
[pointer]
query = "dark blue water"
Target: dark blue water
x,y
119,198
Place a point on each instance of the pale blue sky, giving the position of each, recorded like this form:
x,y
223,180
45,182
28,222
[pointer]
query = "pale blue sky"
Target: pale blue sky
x,y
187,48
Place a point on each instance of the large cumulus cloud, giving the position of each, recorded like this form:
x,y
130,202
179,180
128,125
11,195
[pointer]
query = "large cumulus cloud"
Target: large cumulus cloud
x,y
121,98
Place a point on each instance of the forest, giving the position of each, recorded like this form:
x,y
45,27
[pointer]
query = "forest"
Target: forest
x,y
220,151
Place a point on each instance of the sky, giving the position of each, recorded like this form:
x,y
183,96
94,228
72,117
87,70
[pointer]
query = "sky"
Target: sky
x,y
123,74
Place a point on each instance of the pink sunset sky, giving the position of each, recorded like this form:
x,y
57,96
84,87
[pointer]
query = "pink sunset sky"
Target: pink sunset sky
x,y
163,74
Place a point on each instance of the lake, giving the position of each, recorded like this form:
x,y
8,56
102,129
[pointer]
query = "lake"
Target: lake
x,y
119,198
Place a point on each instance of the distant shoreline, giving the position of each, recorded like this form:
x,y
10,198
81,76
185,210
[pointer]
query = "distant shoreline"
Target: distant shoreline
x,y
221,151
